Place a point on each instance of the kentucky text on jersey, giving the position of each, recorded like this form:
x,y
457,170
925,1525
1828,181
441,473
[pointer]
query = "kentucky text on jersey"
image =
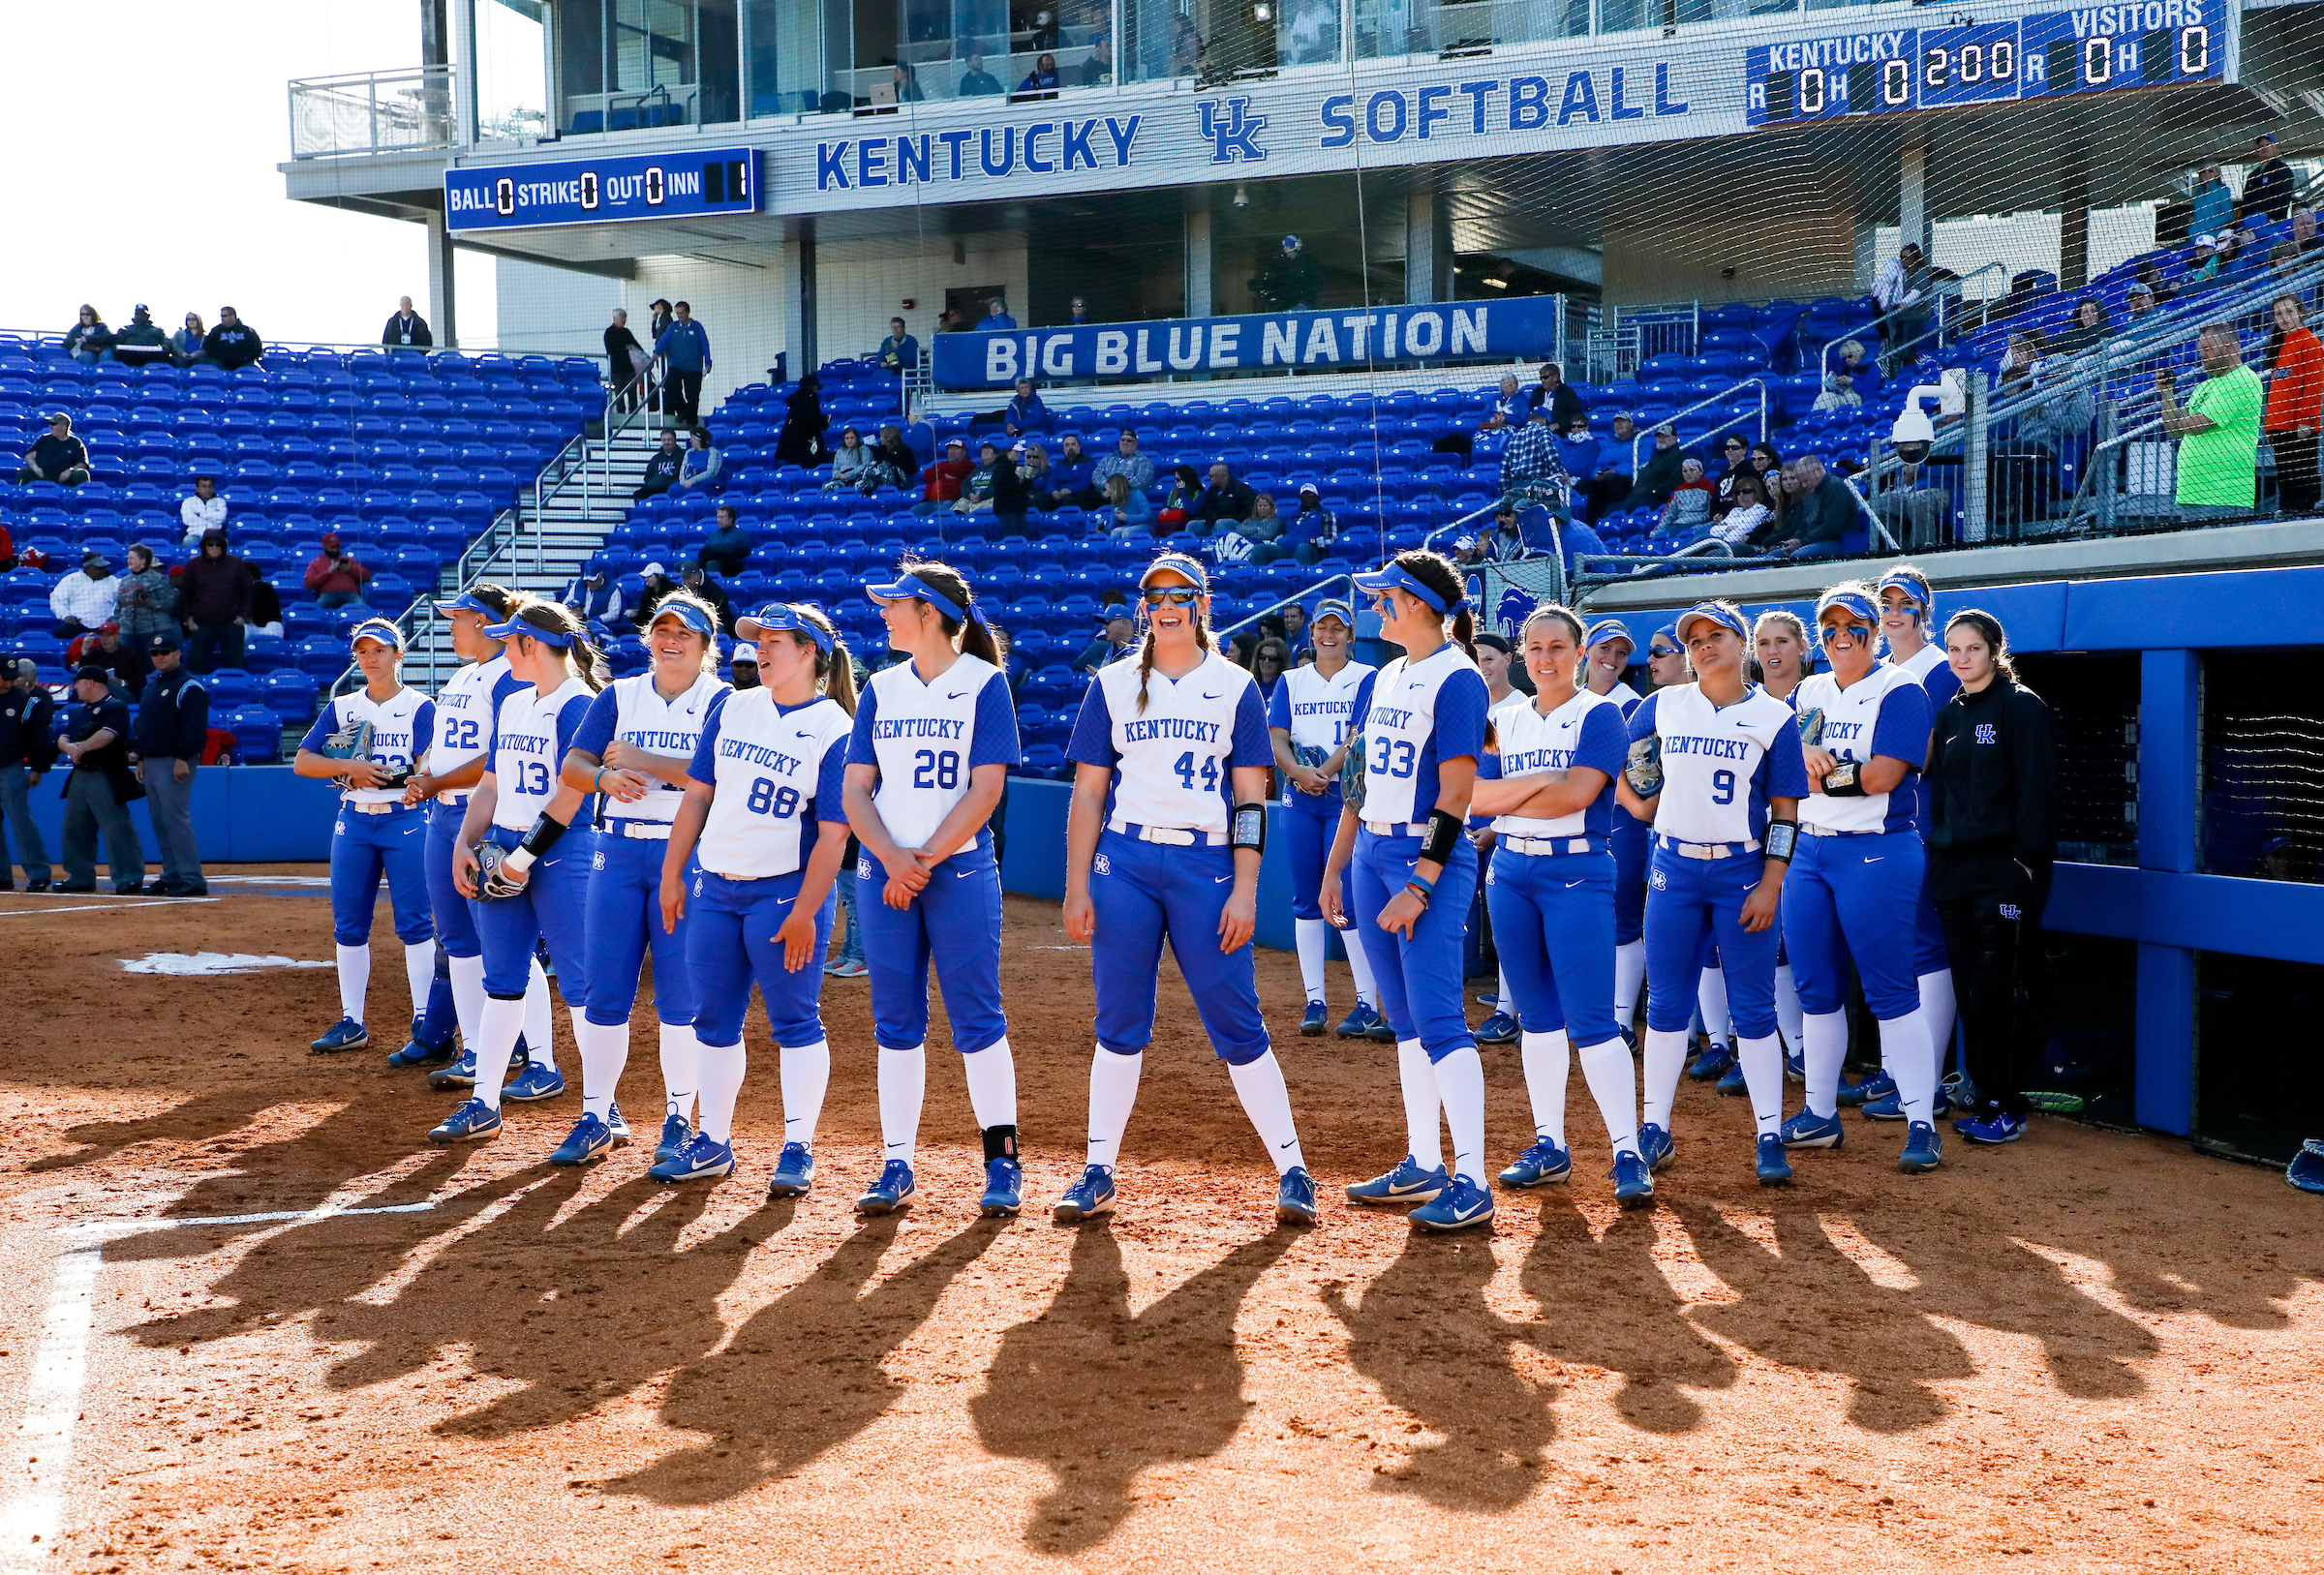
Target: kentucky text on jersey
x,y
1341,706
1390,716
731,747
919,727
1525,761
660,742
1169,727
527,743
1687,744
1840,732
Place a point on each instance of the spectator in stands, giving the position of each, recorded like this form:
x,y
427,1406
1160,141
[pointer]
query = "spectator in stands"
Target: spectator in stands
x,y
1510,406
1611,483
1068,477
1118,638
1851,381
2294,367
2090,329
658,585
233,343
594,599
147,605
1224,504
941,482
663,466
1529,463
1098,70
407,329
1917,514
89,341
1186,495
1576,450
334,576
1688,509
8,552
100,789
1186,44
2203,267
2212,205
2151,276
1268,663
1024,412
1746,513
1033,470
746,666
625,359
2139,303
2217,429
976,82
1239,647
2267,185
1125,461
106,649
1817,514
803,424
1008,500
1659,477
1125,514
996,318
85,602
1312,527
214,599
893,464
1041,82
28,744
848,462
141,344
699,465
709,590
1552,390
906,81
727,548
185,345
1902,290
1256,539
2304,231
59,457
1077,316
173,724
1290,283
684,348
899,352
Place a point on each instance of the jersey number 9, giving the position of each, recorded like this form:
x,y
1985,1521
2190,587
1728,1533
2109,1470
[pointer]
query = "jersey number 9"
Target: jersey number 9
x,y
766,798
1722,787
936,770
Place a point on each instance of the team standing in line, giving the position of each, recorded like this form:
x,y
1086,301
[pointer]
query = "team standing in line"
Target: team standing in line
x,y
1732,847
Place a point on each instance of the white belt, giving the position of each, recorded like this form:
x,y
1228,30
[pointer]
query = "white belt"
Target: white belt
x,y
456,797
1391,828
363,807
644,830
1707,850
1546,844
1826,830
1175,836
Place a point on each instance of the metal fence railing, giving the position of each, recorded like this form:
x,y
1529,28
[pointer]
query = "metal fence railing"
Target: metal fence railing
x,y
377,111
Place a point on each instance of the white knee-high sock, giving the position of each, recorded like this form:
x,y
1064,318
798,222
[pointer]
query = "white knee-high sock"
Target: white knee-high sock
x,y
503,1020
1711,997
681,1069
1308,933
354,979
1460,1085
806,1074
468,998
1787,1010
605,1053
420,971
540,1022
993,1084
1906,1056
1112,1091
723,1068
1546,1058
1825,1048
1630,976
1658,1080
1421,1105
1936,1009
902,1085
1259,1084
1613,1080
1504,1001
1762,1061
1360,964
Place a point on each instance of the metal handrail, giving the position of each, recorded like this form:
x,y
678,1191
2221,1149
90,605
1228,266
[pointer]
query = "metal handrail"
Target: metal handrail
x,y
410,118
1276,607
343,346
1957,285
1758,380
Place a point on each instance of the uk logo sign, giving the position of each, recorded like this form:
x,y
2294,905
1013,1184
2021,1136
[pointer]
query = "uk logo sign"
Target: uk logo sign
x,y
1234,132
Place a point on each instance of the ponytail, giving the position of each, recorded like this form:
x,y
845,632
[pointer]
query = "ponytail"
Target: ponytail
x,y
973,637
582,658
1996,637
499,597
1437,572
834,669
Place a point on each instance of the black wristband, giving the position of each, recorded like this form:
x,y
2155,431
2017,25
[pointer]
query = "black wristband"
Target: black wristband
x,y
1445,833
1250,828
1782,838
1844,782
543,836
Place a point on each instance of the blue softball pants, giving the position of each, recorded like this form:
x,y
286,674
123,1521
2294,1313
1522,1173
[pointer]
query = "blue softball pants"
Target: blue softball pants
x,y
729,931
623,919
1854,898
1420,979
953,925
455,923
1308,837
1929,956
1144,892
1553,923
363,849
1632,843
1693,901
552,907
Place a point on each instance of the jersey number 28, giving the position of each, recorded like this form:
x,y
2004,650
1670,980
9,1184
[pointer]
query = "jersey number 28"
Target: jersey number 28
x,y
932,769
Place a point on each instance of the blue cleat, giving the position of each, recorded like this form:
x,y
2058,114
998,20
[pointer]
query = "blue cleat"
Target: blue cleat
x,y
1630,1037
1923,1148
674,1134
1461,1205
536,1082
1407,1183
1871,1088
461,1074
1634,1183
1732,1080
2307,1170
1087,1198
1004,1189
617,1124
1316,1020
418,1052
345,1034
702,1159
1775,1170
1795,1065
1542,1164
1712,1064
1889,1106
1380,1031
891,1192
794,1171
1295,1198
472,1121
2000,1126
1808,1130
1498,1029
590,1139
1654,1146
1358,1023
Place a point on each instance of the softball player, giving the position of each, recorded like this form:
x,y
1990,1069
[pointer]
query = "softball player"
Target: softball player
x,y
635,746
454,764
1422,717
1551,887
1860,872
376,832
1308,718
1496,657
1716,765
530,877
1785,656
935,738
1666,664
757,841
1633,838
1908,618
1168,822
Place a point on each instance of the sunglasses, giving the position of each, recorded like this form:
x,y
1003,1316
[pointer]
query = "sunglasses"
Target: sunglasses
x,y
1172,595
1734,448
1662,651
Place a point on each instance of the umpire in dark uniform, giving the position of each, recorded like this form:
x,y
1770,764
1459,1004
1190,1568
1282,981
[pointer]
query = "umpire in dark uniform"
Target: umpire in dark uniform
x,y
28,744
173,723
101,788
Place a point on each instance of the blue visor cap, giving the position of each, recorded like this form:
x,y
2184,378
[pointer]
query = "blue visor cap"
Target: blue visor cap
x,y
517,625
375,628
911,586
1392,578
1607,629
1333,607
1910,586
1726,618
687,612
1177,563
1854,603
466,602
780,618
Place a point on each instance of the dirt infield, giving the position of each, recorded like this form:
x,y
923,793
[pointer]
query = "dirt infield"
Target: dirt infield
x,y
2087,1351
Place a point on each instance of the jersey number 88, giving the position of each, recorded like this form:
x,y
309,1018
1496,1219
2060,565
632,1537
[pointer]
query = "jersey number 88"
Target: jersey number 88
x,y
766,798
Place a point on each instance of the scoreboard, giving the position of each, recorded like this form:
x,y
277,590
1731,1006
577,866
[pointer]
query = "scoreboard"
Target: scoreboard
x,y
1895,70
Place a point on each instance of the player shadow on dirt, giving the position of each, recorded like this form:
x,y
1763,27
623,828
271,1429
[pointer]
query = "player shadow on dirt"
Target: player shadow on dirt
x,y
804,1373
1099,1394
1425,1335
210,1114
1608,1304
